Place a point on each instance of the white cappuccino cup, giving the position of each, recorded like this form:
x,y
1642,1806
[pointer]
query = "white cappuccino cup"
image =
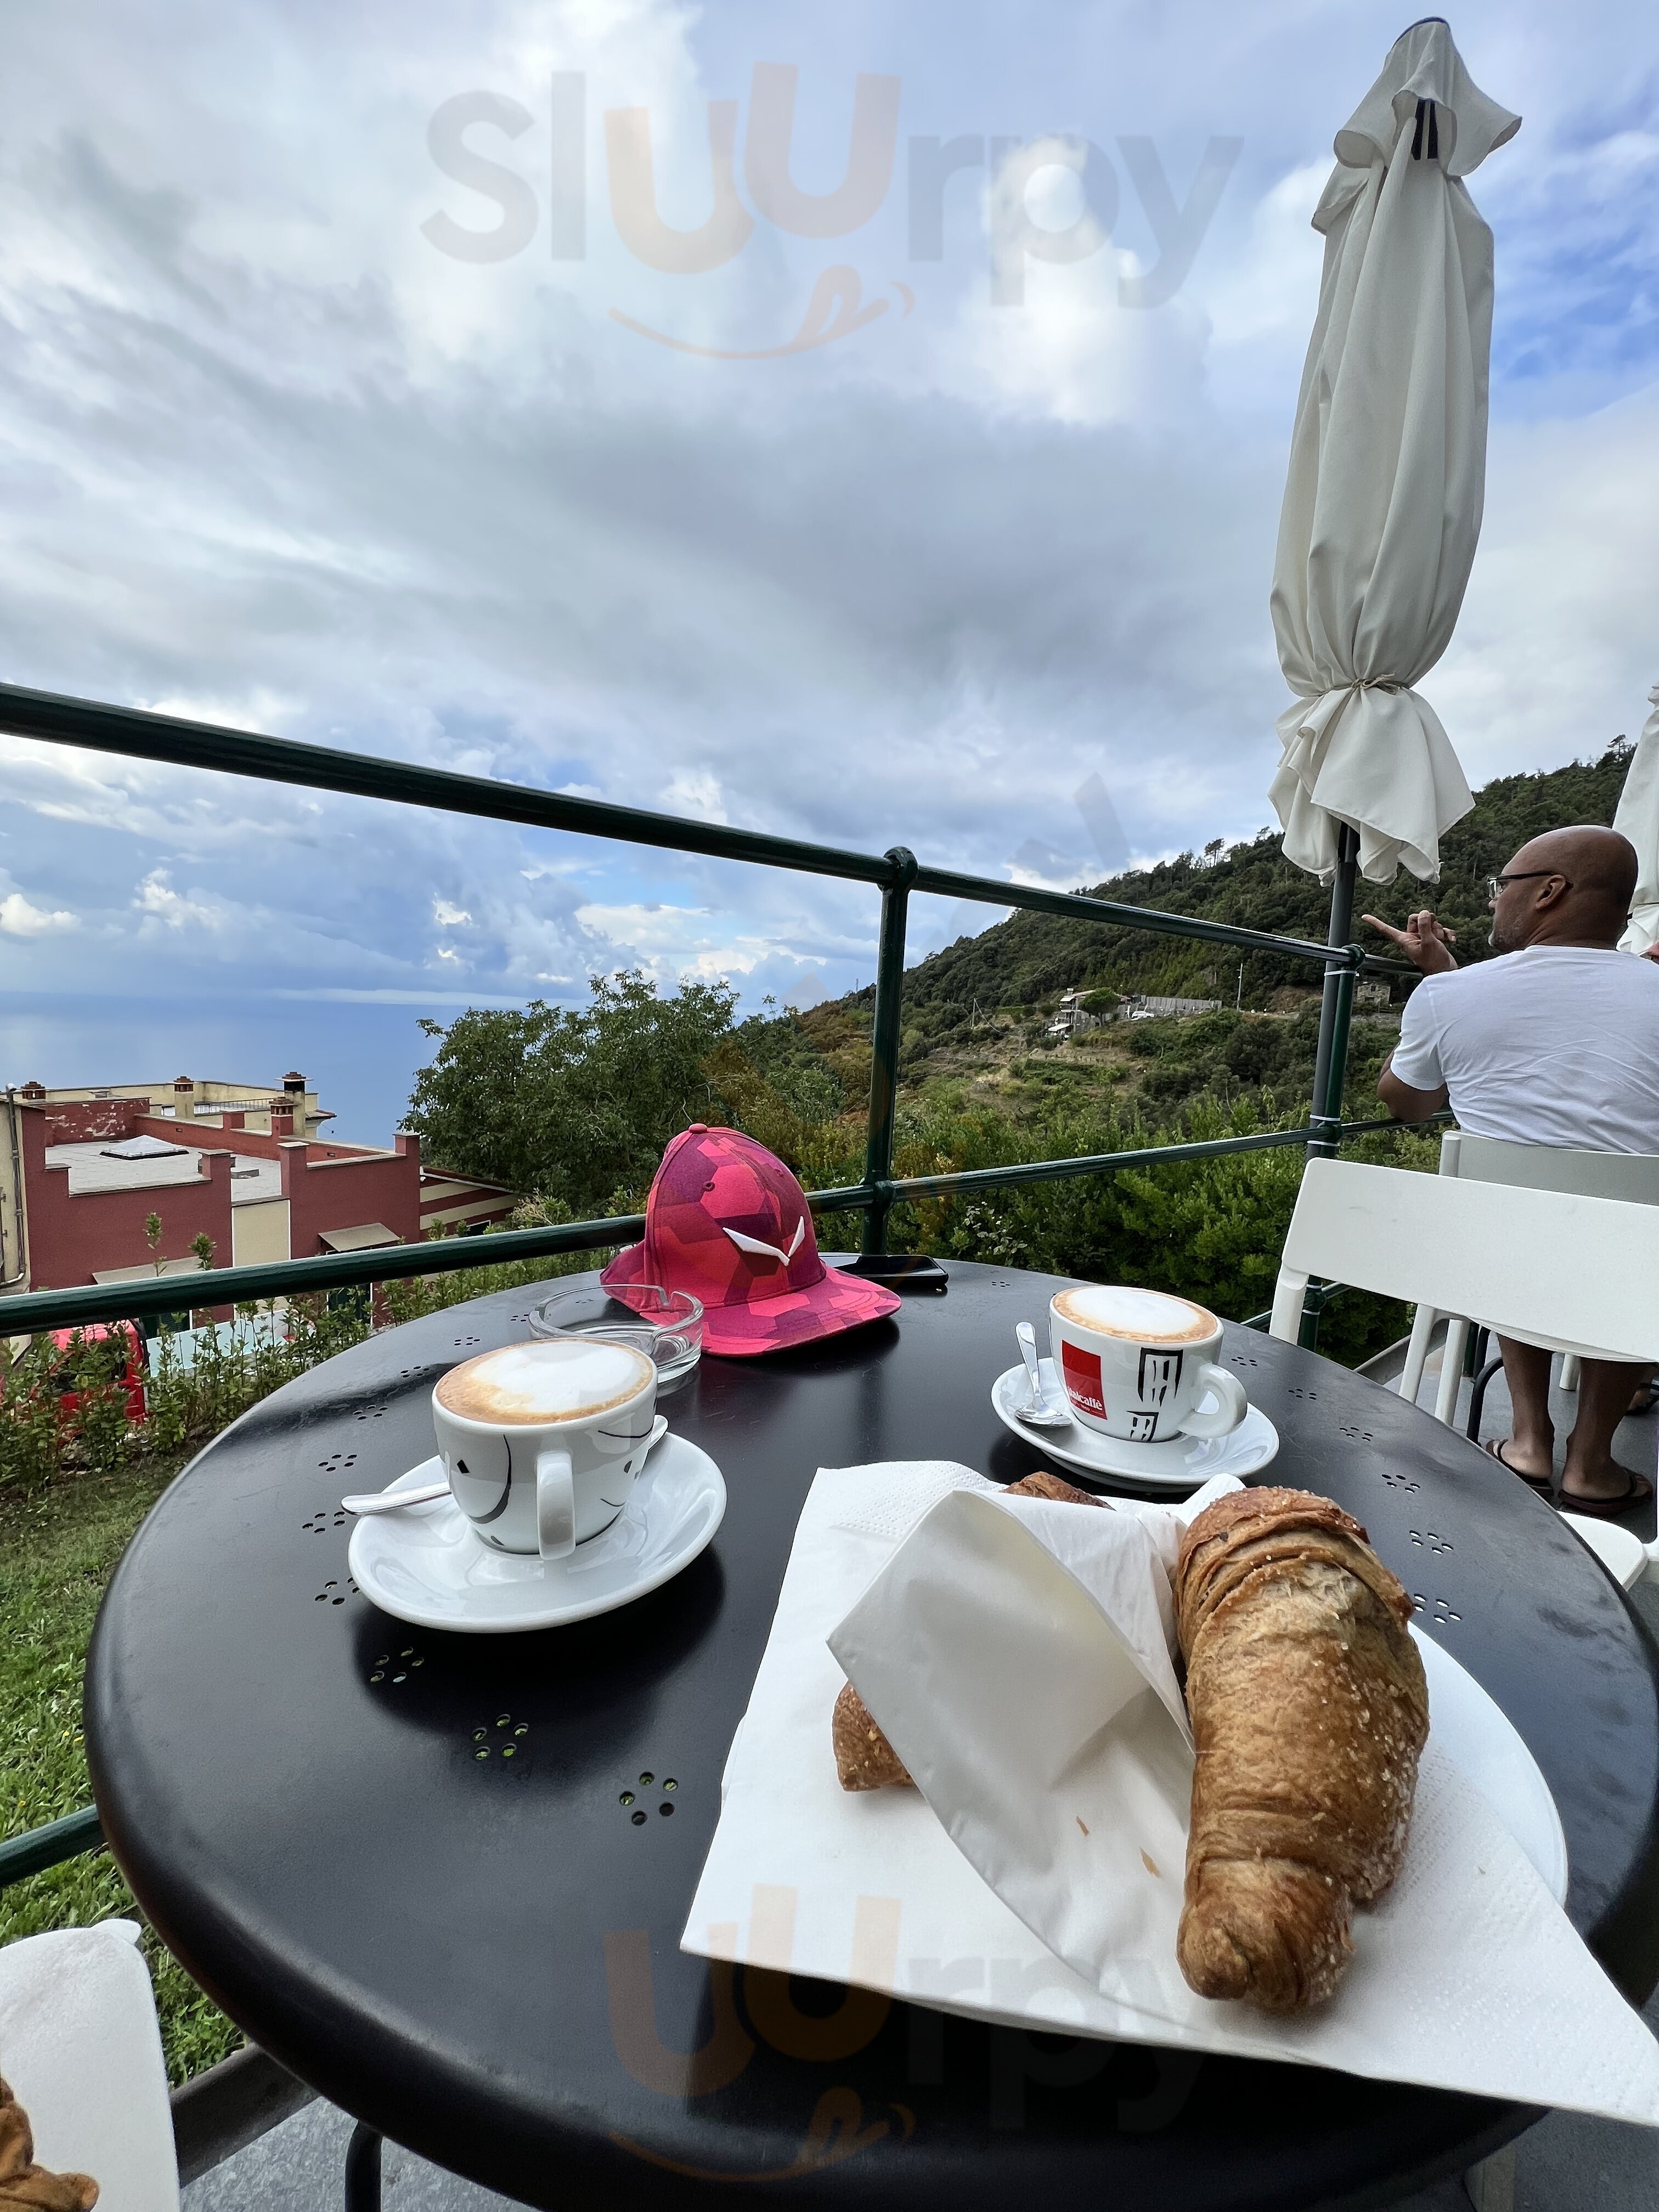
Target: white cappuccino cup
x,y
541,1442
1139,1364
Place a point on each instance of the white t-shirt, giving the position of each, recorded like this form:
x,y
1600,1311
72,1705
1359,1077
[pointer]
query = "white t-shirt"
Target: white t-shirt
x,y
1555,1045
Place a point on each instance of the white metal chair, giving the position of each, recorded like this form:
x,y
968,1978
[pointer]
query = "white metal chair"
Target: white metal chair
x,y
1633,1177
1620,1551
1572,1274
81,2048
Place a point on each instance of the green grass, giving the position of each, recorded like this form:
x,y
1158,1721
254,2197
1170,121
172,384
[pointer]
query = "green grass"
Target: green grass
x,y
58,1550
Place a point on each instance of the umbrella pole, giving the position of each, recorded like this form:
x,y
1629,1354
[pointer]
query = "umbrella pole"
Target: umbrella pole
x,y
1330,1063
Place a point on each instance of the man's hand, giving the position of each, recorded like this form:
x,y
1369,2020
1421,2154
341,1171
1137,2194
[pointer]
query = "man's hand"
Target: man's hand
x,y
1425,942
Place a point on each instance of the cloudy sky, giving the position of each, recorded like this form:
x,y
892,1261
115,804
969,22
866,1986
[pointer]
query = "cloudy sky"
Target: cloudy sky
x,y
485,384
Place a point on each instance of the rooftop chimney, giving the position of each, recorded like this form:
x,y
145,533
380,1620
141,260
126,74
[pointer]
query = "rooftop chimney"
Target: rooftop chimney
x,y
33,1090
184,1098
294,1093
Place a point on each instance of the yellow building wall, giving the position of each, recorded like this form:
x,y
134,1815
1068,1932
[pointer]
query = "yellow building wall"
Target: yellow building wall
x,y
259,1233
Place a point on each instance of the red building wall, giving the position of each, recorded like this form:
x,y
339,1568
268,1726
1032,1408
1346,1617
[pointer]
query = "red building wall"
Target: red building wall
x,y
71,1237
340,1191
254,1142
328,1187
86,1121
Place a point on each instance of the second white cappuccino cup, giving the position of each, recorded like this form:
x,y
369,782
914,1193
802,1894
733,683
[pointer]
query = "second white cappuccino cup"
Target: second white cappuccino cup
x,y
1140,1366
541,1442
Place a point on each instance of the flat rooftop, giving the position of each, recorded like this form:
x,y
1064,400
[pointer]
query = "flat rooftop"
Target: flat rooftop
x,y
91,1167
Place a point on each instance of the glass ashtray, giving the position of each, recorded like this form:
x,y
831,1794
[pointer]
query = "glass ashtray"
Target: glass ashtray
x,y
668,1324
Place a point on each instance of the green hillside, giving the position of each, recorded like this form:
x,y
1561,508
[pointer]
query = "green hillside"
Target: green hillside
x,y
574,1107
1030,959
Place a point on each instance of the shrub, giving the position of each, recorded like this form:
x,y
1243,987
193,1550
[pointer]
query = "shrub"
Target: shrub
x,y
188,1402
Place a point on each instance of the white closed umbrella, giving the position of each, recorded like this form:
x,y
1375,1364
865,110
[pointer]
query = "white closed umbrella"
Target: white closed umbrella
x,y
1387,469
1638,817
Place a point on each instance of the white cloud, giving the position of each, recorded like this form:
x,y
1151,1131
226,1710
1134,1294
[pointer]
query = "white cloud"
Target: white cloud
x,y
347,998
447,916
1555,648
1041,868
261,711
647,923
695,791
19,918
184,810
1262,298
1069,350
1072,354
669,942
156,899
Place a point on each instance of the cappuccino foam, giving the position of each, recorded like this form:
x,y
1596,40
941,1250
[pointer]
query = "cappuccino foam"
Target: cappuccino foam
x,y
551,1381
1140,1316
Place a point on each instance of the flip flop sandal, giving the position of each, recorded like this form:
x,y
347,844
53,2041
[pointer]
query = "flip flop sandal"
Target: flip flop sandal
x,y
1544,1484
1604,1509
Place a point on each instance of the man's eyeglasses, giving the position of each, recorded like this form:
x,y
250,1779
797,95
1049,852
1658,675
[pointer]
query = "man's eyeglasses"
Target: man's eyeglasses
x,y
1496,884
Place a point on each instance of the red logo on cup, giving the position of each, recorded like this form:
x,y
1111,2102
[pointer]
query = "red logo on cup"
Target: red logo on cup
x,y
1081,1372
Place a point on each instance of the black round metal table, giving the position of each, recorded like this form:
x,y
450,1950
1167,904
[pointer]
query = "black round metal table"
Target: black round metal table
x,y
479,1957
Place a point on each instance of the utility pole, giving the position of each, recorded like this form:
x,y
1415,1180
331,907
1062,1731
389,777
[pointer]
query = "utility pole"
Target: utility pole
x,y
1238,1002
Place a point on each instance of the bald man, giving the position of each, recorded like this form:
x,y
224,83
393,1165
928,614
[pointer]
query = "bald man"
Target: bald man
x,y
1555,1043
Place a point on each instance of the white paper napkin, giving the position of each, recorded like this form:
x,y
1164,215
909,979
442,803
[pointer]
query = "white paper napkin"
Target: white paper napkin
x,y
1017,1651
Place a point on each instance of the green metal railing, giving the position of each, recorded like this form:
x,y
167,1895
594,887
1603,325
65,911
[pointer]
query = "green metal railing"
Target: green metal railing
x,y
22,1855
897,874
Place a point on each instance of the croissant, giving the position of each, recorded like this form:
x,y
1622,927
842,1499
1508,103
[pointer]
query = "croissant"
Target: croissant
x,y
1041,1484
864,1758
24,2186
1309,1709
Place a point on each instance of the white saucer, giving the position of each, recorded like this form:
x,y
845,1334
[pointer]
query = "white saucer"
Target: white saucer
x,y
1180,1463
1479,1738
425,1565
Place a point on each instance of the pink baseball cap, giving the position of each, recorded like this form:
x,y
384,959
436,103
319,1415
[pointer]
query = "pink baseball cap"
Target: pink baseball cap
x,y
727,1221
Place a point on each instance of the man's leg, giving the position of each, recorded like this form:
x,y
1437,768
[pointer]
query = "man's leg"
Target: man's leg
x,y
1529,1448
1604,1397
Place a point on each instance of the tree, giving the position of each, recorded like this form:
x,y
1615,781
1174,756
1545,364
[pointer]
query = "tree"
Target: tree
x,y
573,1104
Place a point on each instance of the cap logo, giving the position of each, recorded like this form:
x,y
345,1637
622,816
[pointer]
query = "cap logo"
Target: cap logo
x,y
761,1250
